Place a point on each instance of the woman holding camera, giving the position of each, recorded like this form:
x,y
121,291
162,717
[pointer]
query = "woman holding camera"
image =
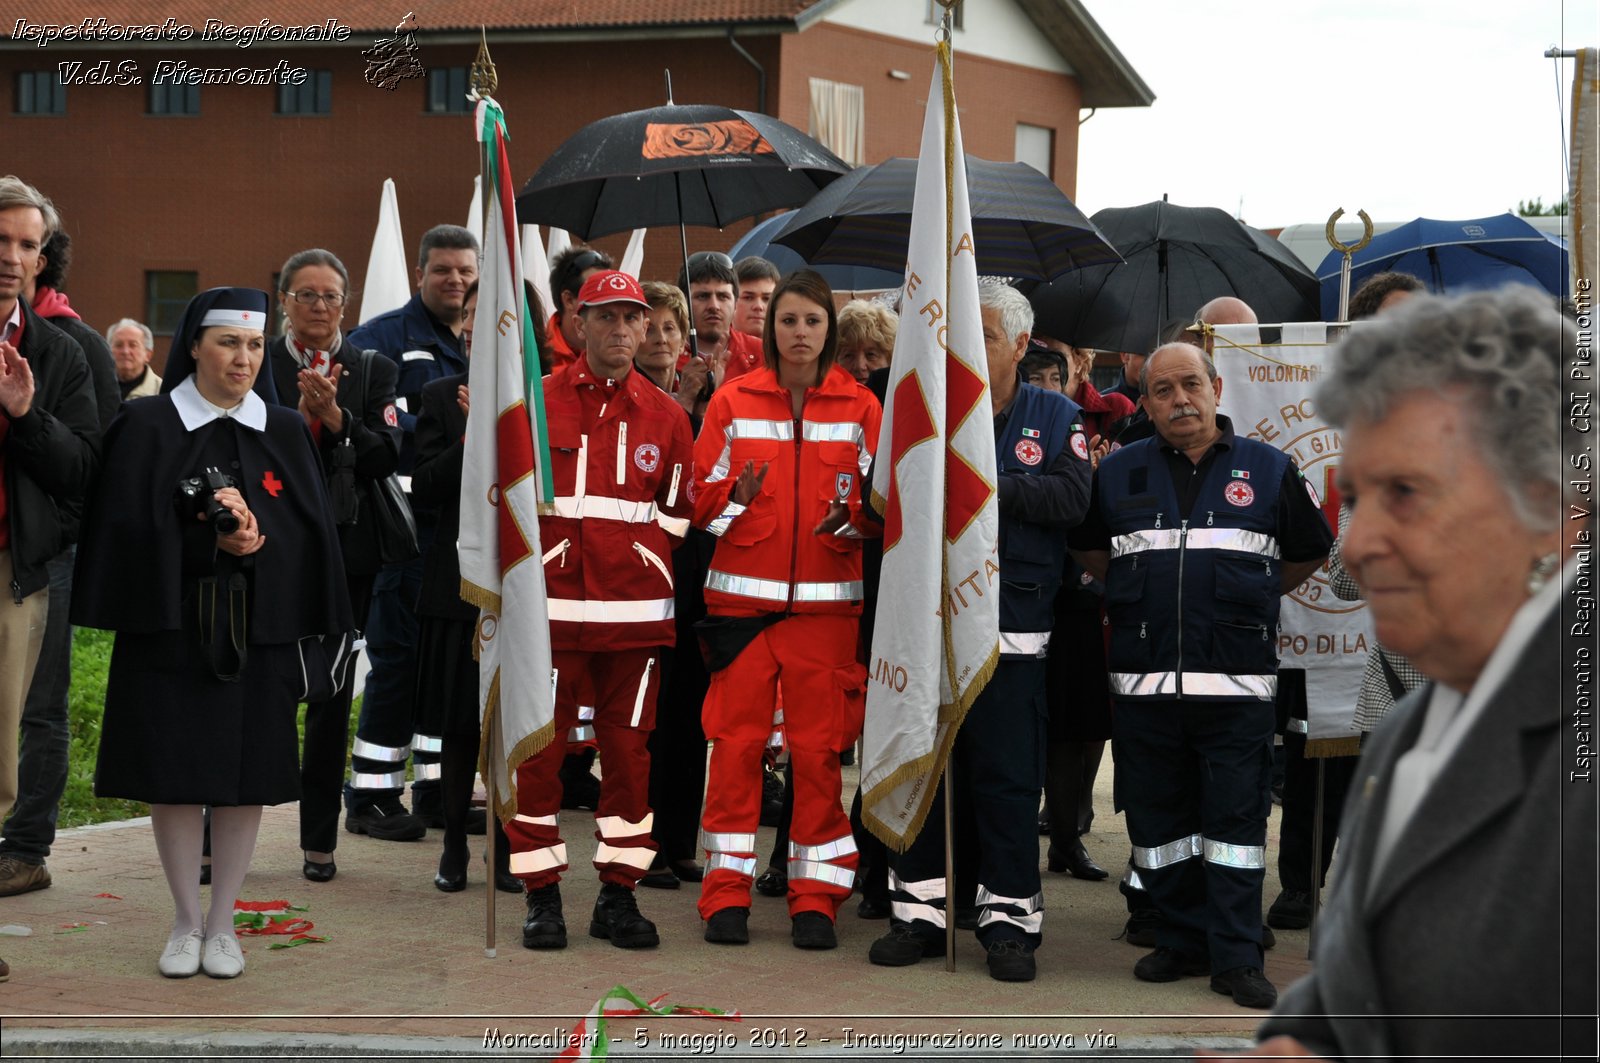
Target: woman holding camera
x,y
209,548
346,397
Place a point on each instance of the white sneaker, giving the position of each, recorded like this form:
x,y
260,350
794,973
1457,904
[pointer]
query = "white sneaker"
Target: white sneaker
x,y
181,958
222,957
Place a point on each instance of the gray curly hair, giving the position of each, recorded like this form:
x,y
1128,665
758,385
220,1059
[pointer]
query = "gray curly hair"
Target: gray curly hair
x,y
1501,350
1016,313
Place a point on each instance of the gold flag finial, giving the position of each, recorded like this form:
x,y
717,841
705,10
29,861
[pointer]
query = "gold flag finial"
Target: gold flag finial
x,y
482,79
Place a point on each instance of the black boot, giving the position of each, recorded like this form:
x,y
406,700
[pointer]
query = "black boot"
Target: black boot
x,y
458,763
617,919
545,927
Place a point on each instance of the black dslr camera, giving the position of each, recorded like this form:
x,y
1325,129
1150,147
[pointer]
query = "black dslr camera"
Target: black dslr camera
x,y
198,495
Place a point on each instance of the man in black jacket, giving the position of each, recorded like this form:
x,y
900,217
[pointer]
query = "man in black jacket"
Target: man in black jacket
x,y
49,439
42,764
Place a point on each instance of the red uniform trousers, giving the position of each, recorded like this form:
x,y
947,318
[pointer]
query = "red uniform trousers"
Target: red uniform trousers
x,y
813,658
621,685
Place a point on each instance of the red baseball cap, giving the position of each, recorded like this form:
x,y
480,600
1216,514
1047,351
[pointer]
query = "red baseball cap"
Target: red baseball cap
x,y
611,286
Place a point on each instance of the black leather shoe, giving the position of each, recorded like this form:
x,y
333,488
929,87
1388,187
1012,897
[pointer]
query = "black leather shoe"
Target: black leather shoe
x,y
773,883
729,926
1169,965
1291,911
453,881
902,946
1076,862
315,872
385,819
616,918
660,879
813,930
692,871
872,908
545,927
1247,986
1142,927
1011,961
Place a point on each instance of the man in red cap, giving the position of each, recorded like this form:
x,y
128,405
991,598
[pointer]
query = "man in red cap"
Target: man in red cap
x,y
621,453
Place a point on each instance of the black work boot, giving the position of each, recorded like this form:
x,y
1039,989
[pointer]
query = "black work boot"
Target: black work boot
x,y
617,919
545,927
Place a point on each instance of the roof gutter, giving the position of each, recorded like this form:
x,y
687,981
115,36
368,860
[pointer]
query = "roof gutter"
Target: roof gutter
x,y
761,72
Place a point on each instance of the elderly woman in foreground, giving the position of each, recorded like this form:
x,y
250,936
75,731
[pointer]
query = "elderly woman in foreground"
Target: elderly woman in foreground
x,y
1462,918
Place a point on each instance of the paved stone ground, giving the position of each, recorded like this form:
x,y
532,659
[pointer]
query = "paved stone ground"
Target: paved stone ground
x,y
405,963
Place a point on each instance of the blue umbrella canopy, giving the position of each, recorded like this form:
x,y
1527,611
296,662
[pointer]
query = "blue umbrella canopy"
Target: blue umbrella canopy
x,y
1454,256
758,241
1024,226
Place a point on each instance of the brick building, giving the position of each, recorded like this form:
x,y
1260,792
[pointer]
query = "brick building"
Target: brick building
x,y
168,186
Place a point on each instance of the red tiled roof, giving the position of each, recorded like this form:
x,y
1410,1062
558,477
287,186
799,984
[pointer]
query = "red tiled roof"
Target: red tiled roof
x,y
431,15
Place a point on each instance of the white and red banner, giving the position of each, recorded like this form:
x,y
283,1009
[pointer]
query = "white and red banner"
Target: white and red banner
x,y
936,641
1269,375
501,569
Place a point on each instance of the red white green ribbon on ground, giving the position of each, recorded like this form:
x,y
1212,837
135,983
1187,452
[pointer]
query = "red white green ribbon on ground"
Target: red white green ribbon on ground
x,y
277,918
590,1039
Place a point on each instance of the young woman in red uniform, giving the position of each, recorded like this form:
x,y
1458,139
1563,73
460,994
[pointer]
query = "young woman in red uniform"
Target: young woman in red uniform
x,y
779,471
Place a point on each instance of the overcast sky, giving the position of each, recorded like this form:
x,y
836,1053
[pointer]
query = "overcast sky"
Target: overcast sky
x,y
1407,108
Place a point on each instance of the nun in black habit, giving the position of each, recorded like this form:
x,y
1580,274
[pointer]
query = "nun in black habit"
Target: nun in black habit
x,y
220,598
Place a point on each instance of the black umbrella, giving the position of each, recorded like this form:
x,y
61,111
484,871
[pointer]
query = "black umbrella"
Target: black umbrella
x,y
1176,259
675,165
1024,226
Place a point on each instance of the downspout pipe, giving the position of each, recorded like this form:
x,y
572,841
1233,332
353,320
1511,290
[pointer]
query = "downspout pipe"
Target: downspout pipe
x,y
761,71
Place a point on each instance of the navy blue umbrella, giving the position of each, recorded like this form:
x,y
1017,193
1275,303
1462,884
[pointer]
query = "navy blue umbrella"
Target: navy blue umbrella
x,y
1453,257
758,241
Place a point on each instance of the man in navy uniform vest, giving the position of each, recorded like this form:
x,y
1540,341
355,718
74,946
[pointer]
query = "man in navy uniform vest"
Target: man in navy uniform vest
x,y
1197,533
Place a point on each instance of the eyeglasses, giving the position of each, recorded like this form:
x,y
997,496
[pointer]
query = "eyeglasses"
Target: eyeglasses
x,y
701,257
307,297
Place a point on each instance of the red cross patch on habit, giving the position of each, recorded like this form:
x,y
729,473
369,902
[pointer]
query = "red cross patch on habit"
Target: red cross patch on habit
x,y
272,484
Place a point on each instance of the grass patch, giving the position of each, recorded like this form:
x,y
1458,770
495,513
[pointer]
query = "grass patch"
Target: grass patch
x,y
86,702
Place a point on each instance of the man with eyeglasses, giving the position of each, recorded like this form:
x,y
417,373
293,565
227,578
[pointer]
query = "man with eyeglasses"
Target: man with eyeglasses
x,y
422,338
712,286
567,273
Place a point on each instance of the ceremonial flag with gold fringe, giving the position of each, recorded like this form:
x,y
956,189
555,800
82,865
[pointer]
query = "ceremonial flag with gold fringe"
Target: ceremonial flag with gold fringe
x,y
936,641
505,466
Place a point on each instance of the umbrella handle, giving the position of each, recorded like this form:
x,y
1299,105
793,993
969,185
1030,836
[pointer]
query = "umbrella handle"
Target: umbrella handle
x,y
1347,250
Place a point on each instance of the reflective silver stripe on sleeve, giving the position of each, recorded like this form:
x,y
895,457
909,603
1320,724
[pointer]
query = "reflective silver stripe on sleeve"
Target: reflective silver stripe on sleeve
x,y
728,843
1026,913
1024,643
847,591
633,856
739,865
427,743
725,518
360,780
372,751
1223,685
719,471
1144,684
767,590
818,871
537,821
1298,726
1238,540
756,428
1170,853
577,611
617,827
923,894
425,772
601,507
1228,855
834,850
546,859
678,526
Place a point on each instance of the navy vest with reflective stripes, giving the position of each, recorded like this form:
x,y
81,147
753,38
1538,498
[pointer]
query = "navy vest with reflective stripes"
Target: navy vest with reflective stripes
x,y
1032,556
1193,603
